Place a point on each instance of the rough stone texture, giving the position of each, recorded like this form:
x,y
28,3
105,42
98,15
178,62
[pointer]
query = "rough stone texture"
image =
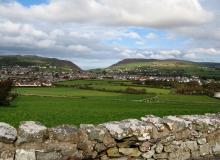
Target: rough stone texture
x,y
30,131
8,133
113,152
131,152
22,154
129,128
148,154
44,155
159,148
169,138
64,133
144,147
7,155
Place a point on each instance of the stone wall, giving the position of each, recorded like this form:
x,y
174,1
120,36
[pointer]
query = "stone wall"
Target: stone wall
x,y
171,137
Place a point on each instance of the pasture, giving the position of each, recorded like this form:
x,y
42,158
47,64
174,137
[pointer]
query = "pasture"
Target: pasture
x,y
68,105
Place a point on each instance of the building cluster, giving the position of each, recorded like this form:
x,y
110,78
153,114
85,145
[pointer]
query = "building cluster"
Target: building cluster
x,y
180,79
45,76
34,76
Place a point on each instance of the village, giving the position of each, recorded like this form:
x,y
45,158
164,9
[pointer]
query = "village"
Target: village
x,y
37,76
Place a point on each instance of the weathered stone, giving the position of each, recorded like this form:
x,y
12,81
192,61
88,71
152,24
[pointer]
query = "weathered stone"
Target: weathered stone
x,y
184,134
108,141
201,122
30,131
113,152
161,156
171,148
179,155
129,128
7,155
8,133
53,155
204,149
148,154
201,141
74,156
216,149
67,149
96,133
189,145
99,134
214,138
64,133
87,147
132,152
104,158
22,154
159,148
86,126
82,136
195,155
1,145
144,147
99,147
122,158
177,124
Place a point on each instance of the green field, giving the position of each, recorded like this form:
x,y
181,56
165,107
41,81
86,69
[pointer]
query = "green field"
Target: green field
x,y
68,105
111,85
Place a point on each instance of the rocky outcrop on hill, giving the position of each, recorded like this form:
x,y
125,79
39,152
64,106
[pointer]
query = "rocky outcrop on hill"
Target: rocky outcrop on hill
x,y
172,138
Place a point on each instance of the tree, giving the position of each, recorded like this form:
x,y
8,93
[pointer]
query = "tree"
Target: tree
x,y
5,92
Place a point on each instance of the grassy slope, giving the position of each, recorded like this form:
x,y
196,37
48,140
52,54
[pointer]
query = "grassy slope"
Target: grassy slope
x,y
35,60
189,68
83,106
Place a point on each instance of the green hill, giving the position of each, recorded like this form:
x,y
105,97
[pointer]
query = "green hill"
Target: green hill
x,y
25,61
169,67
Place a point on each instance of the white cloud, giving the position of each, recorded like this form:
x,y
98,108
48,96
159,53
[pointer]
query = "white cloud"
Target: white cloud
x,y
147,13
190,56
151,36
104,31
79,48
207,51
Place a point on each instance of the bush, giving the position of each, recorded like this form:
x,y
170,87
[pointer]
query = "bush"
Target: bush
x,y
5,92
130,90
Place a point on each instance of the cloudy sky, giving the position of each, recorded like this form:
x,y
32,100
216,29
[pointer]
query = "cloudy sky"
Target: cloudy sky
x,y
98,33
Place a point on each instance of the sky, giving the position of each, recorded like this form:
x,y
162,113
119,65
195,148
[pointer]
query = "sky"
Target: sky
x,y
98,33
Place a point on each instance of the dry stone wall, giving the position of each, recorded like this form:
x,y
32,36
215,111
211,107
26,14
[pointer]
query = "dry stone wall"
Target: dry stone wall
x,y
171,137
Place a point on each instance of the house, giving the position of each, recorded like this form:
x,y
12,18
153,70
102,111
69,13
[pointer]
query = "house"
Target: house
x,y
217,95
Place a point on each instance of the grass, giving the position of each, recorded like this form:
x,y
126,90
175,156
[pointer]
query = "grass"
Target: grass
x,y
114,85
66,105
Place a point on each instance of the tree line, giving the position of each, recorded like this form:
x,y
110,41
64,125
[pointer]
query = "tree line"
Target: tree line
x,y
188,88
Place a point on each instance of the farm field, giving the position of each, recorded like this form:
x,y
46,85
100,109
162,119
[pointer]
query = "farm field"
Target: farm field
x,y
68,105
113,85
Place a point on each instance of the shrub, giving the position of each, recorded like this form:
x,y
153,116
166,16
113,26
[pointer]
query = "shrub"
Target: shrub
x,y
5,92
134,91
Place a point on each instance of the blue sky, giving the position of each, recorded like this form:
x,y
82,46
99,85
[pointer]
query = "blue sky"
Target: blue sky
x,y
32,2
98,33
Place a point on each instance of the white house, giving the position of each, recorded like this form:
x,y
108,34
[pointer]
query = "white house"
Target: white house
x,y
217,94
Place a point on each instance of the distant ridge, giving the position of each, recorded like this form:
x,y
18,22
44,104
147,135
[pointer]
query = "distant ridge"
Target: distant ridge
x,y
139,60
167,67
29,60
142,60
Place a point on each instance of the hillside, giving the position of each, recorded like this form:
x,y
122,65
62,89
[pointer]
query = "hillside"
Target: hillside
x,y
26,61
169,67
